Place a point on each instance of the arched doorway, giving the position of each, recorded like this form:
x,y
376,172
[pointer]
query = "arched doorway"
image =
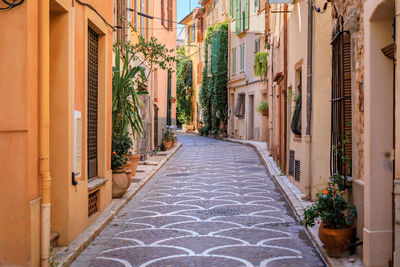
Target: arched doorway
x,y
379,132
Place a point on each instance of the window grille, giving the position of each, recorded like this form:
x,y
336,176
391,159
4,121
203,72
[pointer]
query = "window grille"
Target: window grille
x,y
297,171
93,205
92,104
291,162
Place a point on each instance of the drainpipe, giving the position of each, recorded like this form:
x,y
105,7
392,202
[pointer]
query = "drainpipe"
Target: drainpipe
x,y
309,93
44,118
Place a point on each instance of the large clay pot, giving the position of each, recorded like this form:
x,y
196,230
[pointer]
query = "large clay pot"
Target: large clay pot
x,y
128,173
167,144
135,162
335,240
119,183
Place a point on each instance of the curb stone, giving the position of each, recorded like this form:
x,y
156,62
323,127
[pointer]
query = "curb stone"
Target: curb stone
x,y
66,255
293,195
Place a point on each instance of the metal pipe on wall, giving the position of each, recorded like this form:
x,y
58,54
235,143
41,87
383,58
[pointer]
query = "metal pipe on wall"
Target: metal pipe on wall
x,y
44,121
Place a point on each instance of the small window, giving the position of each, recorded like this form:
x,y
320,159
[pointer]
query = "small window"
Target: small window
x,y
256,5
193,33
242,57
233,61
257,45
188,35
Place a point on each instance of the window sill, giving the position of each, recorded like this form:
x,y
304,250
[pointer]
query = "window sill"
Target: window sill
x,y
297,139
95,183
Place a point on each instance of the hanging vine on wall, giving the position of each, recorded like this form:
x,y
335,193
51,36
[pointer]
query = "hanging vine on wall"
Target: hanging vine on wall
x,y
261,64
184,83
213,92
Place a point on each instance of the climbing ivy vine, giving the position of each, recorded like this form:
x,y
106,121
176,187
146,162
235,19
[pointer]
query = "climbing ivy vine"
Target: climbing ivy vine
x,y
184,83
213,92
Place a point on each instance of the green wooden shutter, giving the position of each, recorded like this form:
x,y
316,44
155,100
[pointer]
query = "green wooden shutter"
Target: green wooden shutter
x,y
238,17
231,8
246,15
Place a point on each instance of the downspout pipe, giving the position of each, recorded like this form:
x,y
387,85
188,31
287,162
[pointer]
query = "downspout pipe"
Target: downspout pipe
x,y
44,120
310,48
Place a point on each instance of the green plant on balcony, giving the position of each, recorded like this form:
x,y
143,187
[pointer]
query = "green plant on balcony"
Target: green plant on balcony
x,y
261,64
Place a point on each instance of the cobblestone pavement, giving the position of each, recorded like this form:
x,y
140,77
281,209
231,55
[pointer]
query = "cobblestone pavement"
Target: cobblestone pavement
x,y
212,204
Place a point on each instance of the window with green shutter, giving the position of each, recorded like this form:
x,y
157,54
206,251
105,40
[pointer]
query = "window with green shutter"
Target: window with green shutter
x,y
237,16
246,15
231,8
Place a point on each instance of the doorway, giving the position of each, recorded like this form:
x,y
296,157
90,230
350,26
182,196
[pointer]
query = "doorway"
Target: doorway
x,y
250,127
282,127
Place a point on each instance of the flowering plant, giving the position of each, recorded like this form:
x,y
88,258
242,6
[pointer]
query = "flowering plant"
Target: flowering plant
x,y
331,208
121,145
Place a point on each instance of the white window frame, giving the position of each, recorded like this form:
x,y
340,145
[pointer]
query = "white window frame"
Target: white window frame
x,y
242,53
193,32
257,46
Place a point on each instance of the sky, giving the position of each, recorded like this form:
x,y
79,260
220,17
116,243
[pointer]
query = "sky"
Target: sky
x,y
183,9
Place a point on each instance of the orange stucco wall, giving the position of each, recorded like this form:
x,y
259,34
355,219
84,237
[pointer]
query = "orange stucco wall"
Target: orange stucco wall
x,y
19,142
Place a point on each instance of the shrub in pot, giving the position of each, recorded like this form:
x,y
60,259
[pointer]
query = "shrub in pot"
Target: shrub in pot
x,y
119,159
167,139
336,216
263,108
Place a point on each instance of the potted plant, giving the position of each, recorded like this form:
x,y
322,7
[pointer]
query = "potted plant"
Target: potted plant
x,y
263,107
119,160
167,139
336,215
125,113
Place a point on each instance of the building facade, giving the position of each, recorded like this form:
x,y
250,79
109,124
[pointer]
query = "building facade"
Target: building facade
x,y
56,124
245,89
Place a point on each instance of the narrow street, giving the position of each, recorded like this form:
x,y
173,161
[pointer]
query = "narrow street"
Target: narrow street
x,y
212,204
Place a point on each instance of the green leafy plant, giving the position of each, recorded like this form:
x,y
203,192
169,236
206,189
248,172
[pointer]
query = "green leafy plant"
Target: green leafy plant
x,y
260,64
203,131
184,83
213,92
263,105
125,101
169,135
331,208
120,146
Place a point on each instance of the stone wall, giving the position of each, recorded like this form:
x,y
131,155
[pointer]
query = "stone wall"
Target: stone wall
x,y
352,13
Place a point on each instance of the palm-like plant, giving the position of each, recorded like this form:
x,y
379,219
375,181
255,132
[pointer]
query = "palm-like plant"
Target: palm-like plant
x,y
125,102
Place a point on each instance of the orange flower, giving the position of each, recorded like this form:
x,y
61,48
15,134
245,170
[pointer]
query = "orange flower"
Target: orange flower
x,y
114,153
326,192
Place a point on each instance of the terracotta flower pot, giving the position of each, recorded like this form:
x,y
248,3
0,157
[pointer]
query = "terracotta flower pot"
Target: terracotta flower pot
x,y
335,240
135,161
128,175
119,183
265,112
167,144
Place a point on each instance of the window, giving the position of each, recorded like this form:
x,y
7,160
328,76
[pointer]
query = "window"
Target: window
x,y
193,33
136,14
241,15
257,45
296,119
92,102
129,6
242,57
233,61
162,12
188,35
147,21
341,104
170,14
215,10
256,5
142,9
223,6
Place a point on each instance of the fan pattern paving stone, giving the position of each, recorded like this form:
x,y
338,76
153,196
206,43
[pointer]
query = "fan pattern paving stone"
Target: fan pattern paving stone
x,y
212,204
